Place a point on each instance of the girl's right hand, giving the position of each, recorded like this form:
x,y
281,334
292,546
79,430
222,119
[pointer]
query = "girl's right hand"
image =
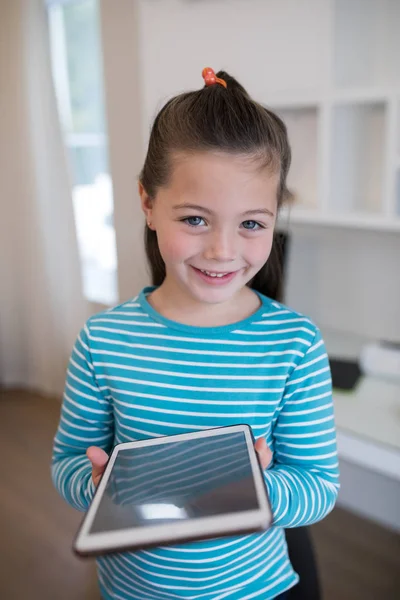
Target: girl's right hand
x,y
99,459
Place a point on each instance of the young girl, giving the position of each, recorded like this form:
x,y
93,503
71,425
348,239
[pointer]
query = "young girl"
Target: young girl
x,y
206,346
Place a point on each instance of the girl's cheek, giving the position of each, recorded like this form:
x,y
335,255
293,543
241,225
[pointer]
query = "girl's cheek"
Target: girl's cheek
x,y
259,250
175,246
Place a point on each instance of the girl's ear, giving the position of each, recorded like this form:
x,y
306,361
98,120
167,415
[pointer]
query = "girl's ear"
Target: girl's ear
x,y
147,205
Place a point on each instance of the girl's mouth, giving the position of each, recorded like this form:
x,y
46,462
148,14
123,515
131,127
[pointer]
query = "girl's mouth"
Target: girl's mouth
x,y
215,277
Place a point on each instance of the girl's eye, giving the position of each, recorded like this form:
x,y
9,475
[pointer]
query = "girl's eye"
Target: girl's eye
x,y
194,221
252,225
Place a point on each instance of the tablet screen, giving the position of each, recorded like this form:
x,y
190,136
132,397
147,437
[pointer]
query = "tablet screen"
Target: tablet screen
x,y
177,481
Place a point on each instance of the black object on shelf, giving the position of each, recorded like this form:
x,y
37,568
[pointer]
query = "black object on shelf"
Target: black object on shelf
x,y
345,373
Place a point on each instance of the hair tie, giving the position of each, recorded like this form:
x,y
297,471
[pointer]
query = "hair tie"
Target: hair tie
x,y
210,77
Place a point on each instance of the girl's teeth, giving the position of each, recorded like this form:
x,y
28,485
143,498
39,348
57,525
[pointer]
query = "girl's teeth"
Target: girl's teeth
x,y
217,275
213,274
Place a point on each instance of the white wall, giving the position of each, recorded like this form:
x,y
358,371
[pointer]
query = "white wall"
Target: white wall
x,y
342,278
124,105
271,46
347,279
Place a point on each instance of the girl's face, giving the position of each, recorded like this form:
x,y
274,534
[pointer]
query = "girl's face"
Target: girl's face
x,y
214,222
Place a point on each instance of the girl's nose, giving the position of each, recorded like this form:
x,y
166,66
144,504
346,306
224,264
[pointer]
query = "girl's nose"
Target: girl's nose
x,y
221,247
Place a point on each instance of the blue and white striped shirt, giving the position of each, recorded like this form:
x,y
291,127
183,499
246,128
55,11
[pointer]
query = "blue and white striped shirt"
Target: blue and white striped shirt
x,y
134,374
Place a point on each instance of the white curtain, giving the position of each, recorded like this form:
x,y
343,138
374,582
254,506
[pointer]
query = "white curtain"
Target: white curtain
x,y
41,302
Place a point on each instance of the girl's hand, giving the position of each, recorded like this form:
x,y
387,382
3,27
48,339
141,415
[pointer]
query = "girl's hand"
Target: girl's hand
x,y
264,453
99,459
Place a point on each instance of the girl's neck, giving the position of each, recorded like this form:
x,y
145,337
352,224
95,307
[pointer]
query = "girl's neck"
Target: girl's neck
x,y
177,306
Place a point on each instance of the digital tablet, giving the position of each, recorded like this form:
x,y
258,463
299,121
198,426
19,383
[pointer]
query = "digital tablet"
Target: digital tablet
x,y
176,489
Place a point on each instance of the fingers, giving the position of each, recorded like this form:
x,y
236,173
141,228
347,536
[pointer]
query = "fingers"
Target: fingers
x,y
99,459
263,452
97,456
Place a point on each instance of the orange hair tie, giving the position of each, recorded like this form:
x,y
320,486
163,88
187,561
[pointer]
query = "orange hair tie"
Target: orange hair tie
x,y
210,77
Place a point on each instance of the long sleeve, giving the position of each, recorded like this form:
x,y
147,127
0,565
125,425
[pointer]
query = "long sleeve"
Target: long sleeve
x,y
303,480
86,420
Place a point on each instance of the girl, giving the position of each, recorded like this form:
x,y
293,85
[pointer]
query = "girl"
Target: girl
x,y
206,346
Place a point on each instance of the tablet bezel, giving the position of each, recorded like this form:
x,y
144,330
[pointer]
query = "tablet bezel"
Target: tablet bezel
x,y
134,538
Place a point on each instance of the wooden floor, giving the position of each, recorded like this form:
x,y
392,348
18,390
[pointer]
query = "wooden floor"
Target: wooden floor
x,y
358,560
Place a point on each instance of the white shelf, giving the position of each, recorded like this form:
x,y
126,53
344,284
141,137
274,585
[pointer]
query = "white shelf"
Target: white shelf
x,y
367,417
368,425
371,412
357,158
345,137
368,453
296,216
302,126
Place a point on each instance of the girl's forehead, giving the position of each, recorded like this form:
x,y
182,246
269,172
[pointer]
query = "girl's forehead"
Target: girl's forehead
x,y
220,173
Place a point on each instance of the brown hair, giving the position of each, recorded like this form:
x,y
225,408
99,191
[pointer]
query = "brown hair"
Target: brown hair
x,y
216,118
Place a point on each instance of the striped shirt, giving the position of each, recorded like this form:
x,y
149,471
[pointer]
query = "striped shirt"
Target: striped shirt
x,y
134,374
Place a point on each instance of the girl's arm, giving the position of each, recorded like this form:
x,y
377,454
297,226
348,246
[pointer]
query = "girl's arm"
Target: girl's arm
x,y
86,420
303,480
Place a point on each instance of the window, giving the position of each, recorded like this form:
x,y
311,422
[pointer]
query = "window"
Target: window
x,y
77,71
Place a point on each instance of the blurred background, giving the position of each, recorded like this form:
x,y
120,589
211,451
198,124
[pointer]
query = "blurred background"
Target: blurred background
x,y
80,82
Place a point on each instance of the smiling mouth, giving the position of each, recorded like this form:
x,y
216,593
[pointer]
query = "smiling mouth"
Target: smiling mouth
x,y
215,273
220,276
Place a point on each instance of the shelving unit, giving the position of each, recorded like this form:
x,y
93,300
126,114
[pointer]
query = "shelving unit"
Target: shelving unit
x,y
357,158
346,140
302,125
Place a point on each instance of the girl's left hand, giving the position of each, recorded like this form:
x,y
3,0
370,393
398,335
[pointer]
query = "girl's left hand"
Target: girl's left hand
x,y
264,453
